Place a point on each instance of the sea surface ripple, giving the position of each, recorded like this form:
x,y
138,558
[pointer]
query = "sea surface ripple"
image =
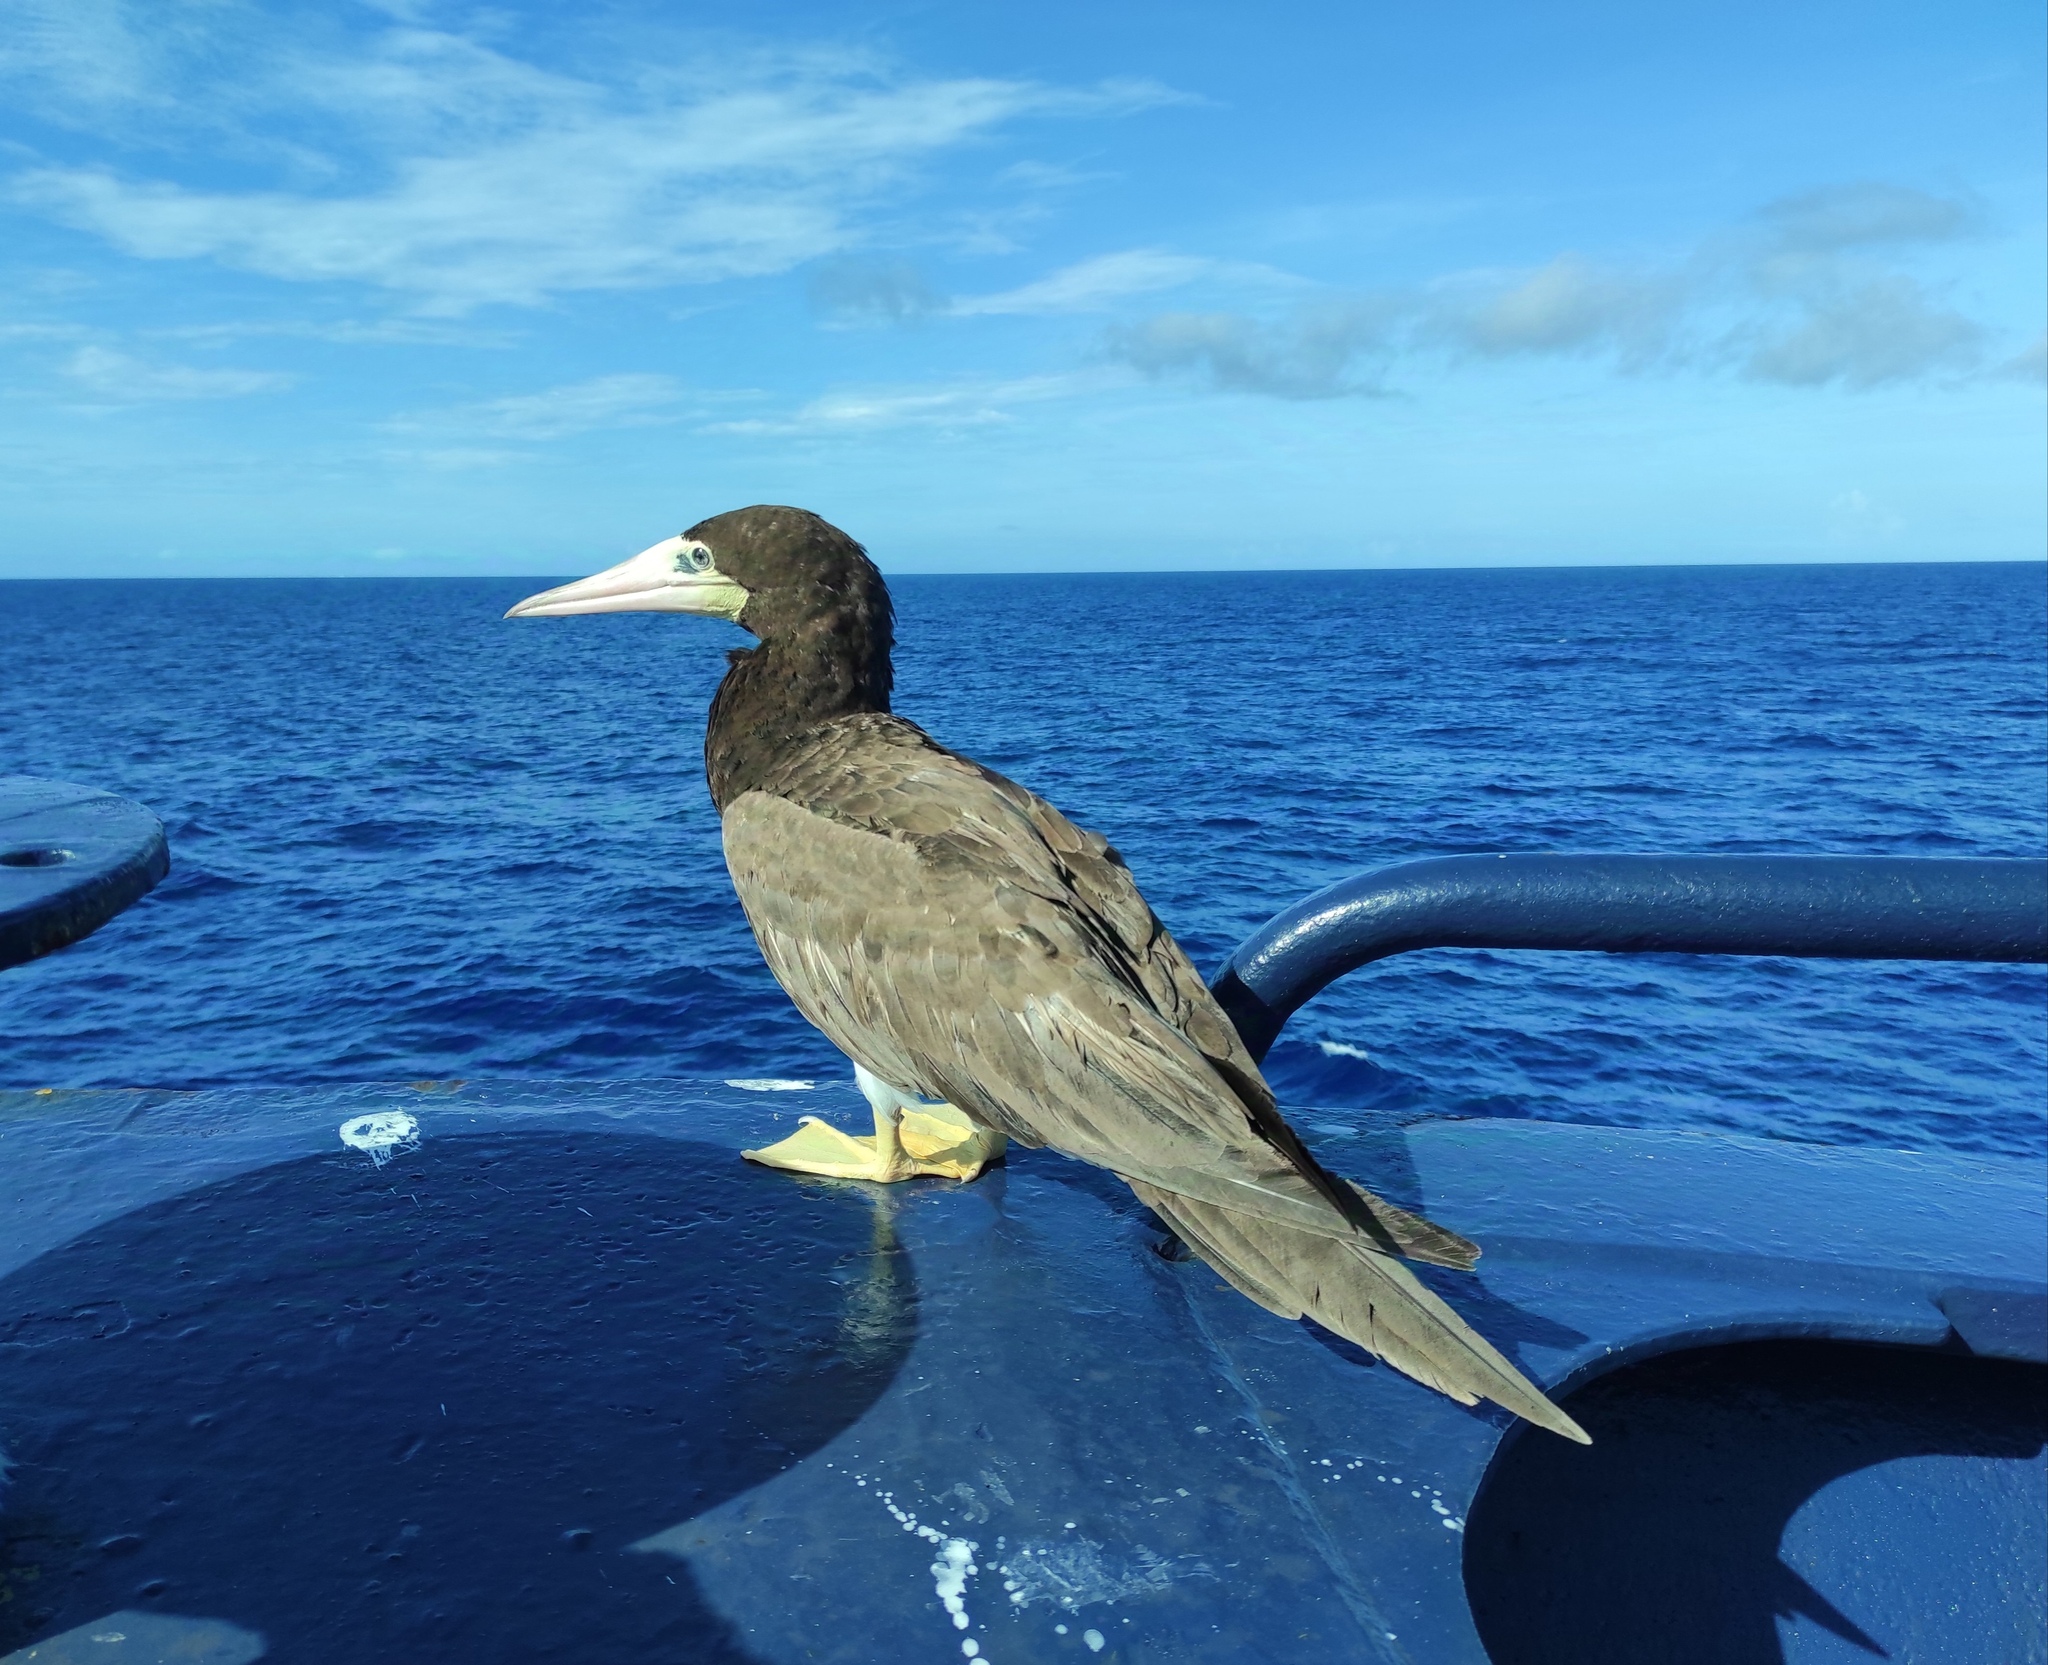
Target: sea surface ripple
x,y
414,840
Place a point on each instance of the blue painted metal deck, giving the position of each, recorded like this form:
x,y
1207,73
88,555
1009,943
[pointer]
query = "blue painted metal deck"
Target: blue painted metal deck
x,y
568,1380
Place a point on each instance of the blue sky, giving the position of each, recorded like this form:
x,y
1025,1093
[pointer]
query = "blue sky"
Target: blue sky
x,y
422,288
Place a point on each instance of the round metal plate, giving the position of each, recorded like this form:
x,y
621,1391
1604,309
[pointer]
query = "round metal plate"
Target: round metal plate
x,y
70,859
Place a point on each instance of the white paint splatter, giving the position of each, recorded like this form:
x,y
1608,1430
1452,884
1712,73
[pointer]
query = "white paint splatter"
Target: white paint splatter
x,y
950,1573
1075,1572
770,1084
382,1135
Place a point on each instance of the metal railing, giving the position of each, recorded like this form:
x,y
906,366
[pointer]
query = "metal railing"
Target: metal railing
x,y
1824,907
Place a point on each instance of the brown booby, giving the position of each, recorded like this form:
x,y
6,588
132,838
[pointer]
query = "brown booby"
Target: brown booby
x,y
991,969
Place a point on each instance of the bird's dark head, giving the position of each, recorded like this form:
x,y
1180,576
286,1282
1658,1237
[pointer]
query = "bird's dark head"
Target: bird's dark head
x,y
803,586
779,573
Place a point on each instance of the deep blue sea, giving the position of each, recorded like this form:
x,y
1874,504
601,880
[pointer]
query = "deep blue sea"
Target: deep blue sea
x,y
414,840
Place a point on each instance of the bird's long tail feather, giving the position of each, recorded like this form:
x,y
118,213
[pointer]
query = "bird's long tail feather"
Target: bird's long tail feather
x,y
1350,1287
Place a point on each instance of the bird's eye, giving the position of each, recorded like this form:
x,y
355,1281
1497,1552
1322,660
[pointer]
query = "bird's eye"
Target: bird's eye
x,y
697,559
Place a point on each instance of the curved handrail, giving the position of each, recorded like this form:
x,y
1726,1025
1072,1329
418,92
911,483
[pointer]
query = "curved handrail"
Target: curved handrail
x,y
1827,907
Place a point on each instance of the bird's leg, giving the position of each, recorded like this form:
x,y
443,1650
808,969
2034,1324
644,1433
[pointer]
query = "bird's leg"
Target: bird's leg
x,y
911,1138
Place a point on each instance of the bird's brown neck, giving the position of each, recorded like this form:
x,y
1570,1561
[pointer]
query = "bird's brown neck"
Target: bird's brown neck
x,y
833,663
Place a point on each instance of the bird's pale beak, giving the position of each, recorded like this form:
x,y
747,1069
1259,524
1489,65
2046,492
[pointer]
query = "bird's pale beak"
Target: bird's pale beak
x,y
675,576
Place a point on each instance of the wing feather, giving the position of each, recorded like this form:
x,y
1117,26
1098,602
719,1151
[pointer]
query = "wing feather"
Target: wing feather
x,y
961,938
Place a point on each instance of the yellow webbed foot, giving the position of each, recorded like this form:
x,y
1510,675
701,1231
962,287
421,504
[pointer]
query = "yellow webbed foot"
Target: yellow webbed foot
x,y
912,1139
819,1148
944,1141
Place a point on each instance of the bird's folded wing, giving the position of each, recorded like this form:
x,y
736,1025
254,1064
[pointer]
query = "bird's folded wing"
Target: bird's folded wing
x,y
929,917
961,938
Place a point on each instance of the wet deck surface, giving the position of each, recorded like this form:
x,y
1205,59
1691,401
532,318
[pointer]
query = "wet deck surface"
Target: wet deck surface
x,y
566,1379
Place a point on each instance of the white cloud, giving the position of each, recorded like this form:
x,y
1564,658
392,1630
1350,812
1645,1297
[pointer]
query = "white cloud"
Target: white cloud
x,y
1857,519
2030,363
949,405
1865,335
42,332
1569,305
460,459
1048,176
897,293
853,292
115,378
457,175
1837,217
1309,355
621,401
1091,285
1796,297
78,56
348,332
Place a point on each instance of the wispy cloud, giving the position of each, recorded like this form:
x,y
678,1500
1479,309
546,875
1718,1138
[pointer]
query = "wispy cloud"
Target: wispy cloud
x,y
857,292
1795,297
346,332
1799,296
459,459
1857,519
2030,363
620,401
112,377
1864,335
43,332
1313,353
1827,312
1048,176
79,57
1863,213
1571,305
1092,284
431,165
966,404
896,292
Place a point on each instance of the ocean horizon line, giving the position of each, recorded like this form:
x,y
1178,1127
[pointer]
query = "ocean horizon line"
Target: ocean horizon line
x,y
387,570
